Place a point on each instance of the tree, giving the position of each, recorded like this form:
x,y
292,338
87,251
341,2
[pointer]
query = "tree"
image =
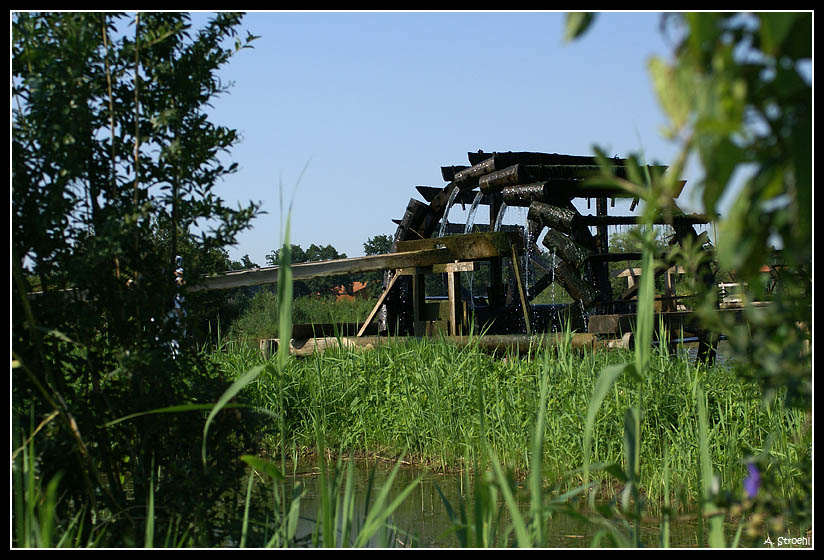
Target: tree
x,y
114,167
377,245
738,96
324,286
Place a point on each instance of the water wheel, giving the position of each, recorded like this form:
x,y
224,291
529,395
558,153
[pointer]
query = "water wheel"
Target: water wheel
x,y
546,184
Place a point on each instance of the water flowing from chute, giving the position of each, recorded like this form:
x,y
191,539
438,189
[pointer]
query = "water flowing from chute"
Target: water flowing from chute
x,y
500,218
470,217
452,196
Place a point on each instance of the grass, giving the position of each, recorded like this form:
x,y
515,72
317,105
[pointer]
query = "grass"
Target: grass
x,y
652,433
422,397
261,319
512,424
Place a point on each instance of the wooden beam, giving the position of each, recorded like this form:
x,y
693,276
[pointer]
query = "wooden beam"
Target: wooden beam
x,y
377,305
537,158
453,284
487,343
687,219
562,177
524,304
472,246
430,255
463,197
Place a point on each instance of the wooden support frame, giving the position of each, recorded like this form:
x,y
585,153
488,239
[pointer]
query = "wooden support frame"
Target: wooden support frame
x,y
453,270
524,304
378,305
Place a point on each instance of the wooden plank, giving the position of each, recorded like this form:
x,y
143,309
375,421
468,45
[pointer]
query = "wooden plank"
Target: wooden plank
x,y
675,321
448,172
570,251
522,188
487,343
439,268
468,178
558,175
688,219
453,284
415,257
555,217
463,197
418,297
455,267
538,158
471,246
521,292
377,305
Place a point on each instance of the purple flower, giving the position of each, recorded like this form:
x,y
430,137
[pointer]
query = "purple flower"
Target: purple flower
x,y
753,482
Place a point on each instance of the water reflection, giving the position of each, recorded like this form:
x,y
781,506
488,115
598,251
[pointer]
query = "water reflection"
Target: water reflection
x,y
422,520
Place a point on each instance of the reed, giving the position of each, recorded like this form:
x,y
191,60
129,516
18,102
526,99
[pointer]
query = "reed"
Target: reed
x,y
425,397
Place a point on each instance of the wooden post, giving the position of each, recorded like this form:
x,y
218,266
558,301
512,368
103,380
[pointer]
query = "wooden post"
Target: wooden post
x,y
669,304
524,304
377,305
603,234
570,251
453,285
418,298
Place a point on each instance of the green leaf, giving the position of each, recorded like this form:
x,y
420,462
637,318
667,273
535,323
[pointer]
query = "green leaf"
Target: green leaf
x,y
518,522
285,289
632,443
165,410
577,23
716,522
263,466
646,304
615,470
721,157
672,94
228,395
775,28
604,383
379,512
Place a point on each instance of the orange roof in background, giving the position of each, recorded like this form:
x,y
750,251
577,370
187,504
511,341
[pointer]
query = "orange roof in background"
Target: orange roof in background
x,y
356,287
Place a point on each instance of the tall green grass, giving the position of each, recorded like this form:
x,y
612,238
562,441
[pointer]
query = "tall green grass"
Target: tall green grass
x,y
261,318
423,397
656,431
614,437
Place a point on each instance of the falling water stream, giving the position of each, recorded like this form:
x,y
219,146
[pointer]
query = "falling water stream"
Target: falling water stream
x,y
452,196
500,218
470,223
470,218
527,253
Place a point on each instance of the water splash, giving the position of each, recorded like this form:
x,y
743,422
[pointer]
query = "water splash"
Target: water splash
x,y
452,196
527,254
584,314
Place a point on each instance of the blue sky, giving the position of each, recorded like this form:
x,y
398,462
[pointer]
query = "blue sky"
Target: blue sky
x,y
372,104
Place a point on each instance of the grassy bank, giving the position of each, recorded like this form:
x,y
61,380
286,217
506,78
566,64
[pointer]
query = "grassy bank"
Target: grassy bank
x,y
261,311
442,405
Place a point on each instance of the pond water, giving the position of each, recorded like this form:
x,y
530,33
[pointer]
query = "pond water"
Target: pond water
x,y
422,519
